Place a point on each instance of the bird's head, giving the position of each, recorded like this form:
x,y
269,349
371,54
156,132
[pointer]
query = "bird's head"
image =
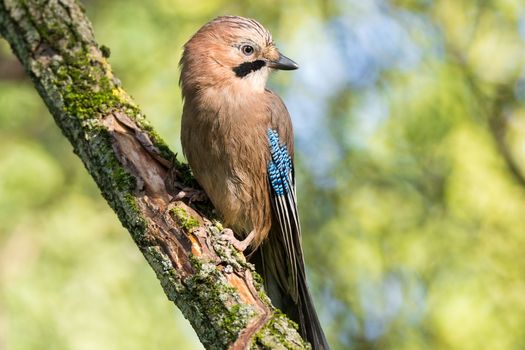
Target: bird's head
x,y
231,51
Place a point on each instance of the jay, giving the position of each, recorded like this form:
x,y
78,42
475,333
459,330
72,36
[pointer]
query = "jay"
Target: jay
x,y
237,137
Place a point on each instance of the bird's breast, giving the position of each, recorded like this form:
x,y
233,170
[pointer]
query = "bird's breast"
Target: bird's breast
x,y
227,149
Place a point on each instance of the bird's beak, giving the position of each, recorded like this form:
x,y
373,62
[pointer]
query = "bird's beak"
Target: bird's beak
x,y
283,63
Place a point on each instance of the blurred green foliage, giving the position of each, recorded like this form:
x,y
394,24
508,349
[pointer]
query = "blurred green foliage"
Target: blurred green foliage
x,y
410,126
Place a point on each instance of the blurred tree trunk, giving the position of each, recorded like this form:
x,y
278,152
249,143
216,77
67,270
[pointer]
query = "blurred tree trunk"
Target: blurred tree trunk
x,y
140,178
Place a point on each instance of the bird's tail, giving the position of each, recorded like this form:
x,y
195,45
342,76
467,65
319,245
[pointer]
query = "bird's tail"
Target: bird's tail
x,y
309,324
302,311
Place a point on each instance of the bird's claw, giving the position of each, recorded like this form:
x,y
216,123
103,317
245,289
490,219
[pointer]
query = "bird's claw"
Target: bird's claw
x,y
229,236
192,194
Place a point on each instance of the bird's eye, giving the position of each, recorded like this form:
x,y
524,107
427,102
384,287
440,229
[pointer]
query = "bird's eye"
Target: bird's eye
x,y
247,50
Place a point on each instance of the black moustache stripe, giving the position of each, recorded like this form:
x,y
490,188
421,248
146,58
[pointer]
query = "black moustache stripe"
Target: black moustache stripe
x,y
246,68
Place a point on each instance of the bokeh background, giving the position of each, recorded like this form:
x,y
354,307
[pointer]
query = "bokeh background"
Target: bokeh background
x,y
410,129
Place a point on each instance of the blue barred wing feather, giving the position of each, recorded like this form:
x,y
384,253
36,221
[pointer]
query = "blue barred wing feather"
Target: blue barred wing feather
x,y
284,203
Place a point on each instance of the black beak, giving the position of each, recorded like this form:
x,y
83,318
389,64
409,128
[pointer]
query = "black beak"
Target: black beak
x,y
283,63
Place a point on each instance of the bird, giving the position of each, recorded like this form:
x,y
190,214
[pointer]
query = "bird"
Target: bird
x,y
237,137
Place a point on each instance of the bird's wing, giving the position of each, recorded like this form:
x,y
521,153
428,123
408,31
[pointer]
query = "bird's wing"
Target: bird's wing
x,y
282,255
285,238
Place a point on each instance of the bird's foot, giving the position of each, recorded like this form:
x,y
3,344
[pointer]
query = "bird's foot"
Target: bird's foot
x,y
181,191
192,194
229,236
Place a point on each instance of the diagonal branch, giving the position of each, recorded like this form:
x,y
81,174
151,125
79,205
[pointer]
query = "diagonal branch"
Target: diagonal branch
x,y
213,285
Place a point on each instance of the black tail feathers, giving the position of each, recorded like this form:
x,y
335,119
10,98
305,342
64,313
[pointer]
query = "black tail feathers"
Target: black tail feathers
x,y
302,312
309,324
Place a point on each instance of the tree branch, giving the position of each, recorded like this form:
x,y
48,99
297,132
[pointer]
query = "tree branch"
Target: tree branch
x,y
212,284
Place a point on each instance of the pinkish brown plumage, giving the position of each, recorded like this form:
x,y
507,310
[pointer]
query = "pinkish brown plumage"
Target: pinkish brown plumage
x,y
238,139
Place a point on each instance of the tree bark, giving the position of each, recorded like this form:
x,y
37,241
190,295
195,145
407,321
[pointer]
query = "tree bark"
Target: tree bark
x,y
138,175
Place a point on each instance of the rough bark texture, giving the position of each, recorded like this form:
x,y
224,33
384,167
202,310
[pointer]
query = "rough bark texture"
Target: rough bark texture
x,y
217,291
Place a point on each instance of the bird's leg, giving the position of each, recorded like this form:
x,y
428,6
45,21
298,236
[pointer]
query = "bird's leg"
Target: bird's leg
x,y
229,236
179,190
192,194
